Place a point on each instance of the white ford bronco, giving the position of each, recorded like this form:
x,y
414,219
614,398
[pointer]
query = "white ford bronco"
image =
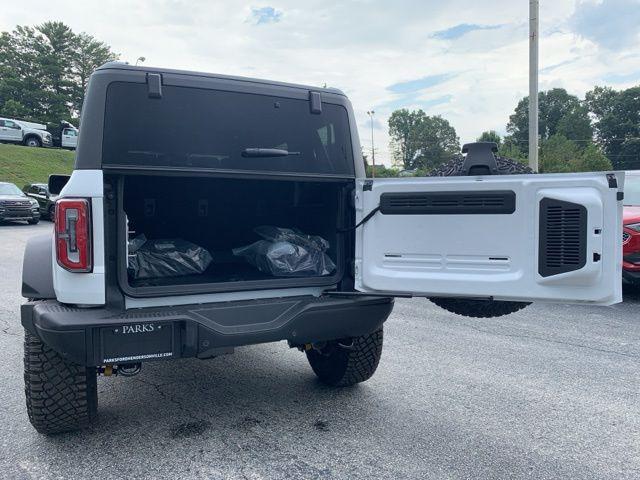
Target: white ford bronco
x,y
207,212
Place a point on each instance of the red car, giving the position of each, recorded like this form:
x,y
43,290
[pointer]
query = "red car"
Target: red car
x,y
631,230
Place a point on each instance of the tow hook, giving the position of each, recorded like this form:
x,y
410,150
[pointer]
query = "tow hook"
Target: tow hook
x,y
126,369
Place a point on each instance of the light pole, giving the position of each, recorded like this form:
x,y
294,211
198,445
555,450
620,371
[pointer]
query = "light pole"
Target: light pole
x,y
373,152
533,84
140,59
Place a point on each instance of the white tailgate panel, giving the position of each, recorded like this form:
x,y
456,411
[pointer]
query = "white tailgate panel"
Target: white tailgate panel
x,y
489,255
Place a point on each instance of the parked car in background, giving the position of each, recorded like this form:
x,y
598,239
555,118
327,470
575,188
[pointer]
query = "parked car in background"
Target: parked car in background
x,y
26,133
46,201
69,137
631,230
15,205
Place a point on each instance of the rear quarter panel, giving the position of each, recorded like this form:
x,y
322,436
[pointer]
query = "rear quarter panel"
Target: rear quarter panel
x,y
84,288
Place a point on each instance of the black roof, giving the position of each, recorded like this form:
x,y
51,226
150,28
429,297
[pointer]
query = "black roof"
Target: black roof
x,y
141,68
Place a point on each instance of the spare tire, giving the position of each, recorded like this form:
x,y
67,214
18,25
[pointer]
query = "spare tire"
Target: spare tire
x,y
466,306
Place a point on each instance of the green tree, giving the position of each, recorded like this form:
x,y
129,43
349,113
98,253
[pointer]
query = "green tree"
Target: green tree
x,y
558,154
591,160
510,149
43,69
576,126
490,136
419,141
617,115
438,143
559,113
88,54
14,109
599,101
382,171
404,132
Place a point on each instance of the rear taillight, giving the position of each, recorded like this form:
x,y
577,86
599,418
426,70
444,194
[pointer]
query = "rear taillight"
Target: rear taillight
x,y
73,234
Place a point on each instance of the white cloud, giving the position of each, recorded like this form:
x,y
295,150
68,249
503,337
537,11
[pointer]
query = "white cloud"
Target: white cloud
x,y
362,47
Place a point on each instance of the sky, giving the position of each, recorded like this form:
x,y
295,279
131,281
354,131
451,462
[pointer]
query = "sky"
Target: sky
x,y
462,59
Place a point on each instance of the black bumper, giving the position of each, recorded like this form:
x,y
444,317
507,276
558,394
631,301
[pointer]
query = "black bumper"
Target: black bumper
x,y
97,336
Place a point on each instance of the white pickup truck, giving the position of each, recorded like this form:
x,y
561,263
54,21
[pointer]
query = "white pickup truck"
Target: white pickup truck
x,y
26,133
69,137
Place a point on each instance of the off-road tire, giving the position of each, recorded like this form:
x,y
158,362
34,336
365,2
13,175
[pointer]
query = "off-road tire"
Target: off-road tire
x,y
469,307
506,166
478,308
347,362
33,142
61,396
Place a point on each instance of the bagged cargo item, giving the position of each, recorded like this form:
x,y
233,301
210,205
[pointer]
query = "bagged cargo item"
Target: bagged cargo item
x,y
286,252
166,258
136,242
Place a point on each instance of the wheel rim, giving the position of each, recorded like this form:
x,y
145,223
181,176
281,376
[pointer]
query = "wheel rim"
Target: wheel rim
x,y
32,143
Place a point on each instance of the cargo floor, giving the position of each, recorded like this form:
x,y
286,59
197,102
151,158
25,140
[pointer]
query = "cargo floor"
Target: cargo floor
x,y
216,273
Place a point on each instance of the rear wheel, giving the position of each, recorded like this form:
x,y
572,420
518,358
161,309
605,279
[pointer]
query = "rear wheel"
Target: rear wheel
x,y
61,396
346,362
471,307
33,142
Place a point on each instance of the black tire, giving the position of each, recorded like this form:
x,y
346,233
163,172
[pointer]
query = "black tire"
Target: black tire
x,y
478,308
464,306
33,142
52,212
61,396
346,362
33,221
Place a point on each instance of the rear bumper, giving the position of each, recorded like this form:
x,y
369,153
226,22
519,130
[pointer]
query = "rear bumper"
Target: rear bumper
x,y
97,336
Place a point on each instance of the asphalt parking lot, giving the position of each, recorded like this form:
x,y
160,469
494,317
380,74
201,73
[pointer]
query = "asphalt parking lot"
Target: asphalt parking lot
x,y
548,392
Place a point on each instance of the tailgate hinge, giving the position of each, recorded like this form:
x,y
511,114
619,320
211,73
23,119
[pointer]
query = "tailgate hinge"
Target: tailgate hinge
x,y
315,102
154,85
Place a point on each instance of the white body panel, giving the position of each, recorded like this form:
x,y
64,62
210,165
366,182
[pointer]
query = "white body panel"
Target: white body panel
x,y
10,131
489,255
32,125
69,138
84,288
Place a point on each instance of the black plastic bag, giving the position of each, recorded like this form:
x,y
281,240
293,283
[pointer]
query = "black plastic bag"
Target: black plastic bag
x,y
285,252
166,258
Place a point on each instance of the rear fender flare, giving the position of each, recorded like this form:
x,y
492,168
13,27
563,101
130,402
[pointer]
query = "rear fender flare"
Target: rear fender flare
x,y
37,269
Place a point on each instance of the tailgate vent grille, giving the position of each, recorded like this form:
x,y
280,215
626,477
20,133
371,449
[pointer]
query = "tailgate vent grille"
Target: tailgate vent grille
x,y
563,237
452,203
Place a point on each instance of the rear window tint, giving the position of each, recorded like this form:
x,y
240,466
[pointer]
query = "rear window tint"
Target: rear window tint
x,y
191,127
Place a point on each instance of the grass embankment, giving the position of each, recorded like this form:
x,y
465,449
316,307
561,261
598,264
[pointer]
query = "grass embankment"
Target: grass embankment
x,y
22,165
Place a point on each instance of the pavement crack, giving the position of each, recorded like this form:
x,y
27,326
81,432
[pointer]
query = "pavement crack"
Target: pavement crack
x,y
5,329
158,388
550,340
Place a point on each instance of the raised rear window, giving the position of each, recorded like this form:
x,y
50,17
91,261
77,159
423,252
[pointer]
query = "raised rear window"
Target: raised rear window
x,y
214,129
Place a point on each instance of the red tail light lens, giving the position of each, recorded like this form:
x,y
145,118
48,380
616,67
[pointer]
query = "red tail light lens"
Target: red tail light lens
x,y
73,234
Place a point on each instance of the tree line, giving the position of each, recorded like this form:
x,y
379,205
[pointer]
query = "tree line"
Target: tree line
x,y
599,132
44,71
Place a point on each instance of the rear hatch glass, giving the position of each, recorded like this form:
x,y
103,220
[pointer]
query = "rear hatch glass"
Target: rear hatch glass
x,y
214,129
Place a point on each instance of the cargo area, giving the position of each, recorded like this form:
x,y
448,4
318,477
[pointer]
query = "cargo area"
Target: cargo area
x,y
218,216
